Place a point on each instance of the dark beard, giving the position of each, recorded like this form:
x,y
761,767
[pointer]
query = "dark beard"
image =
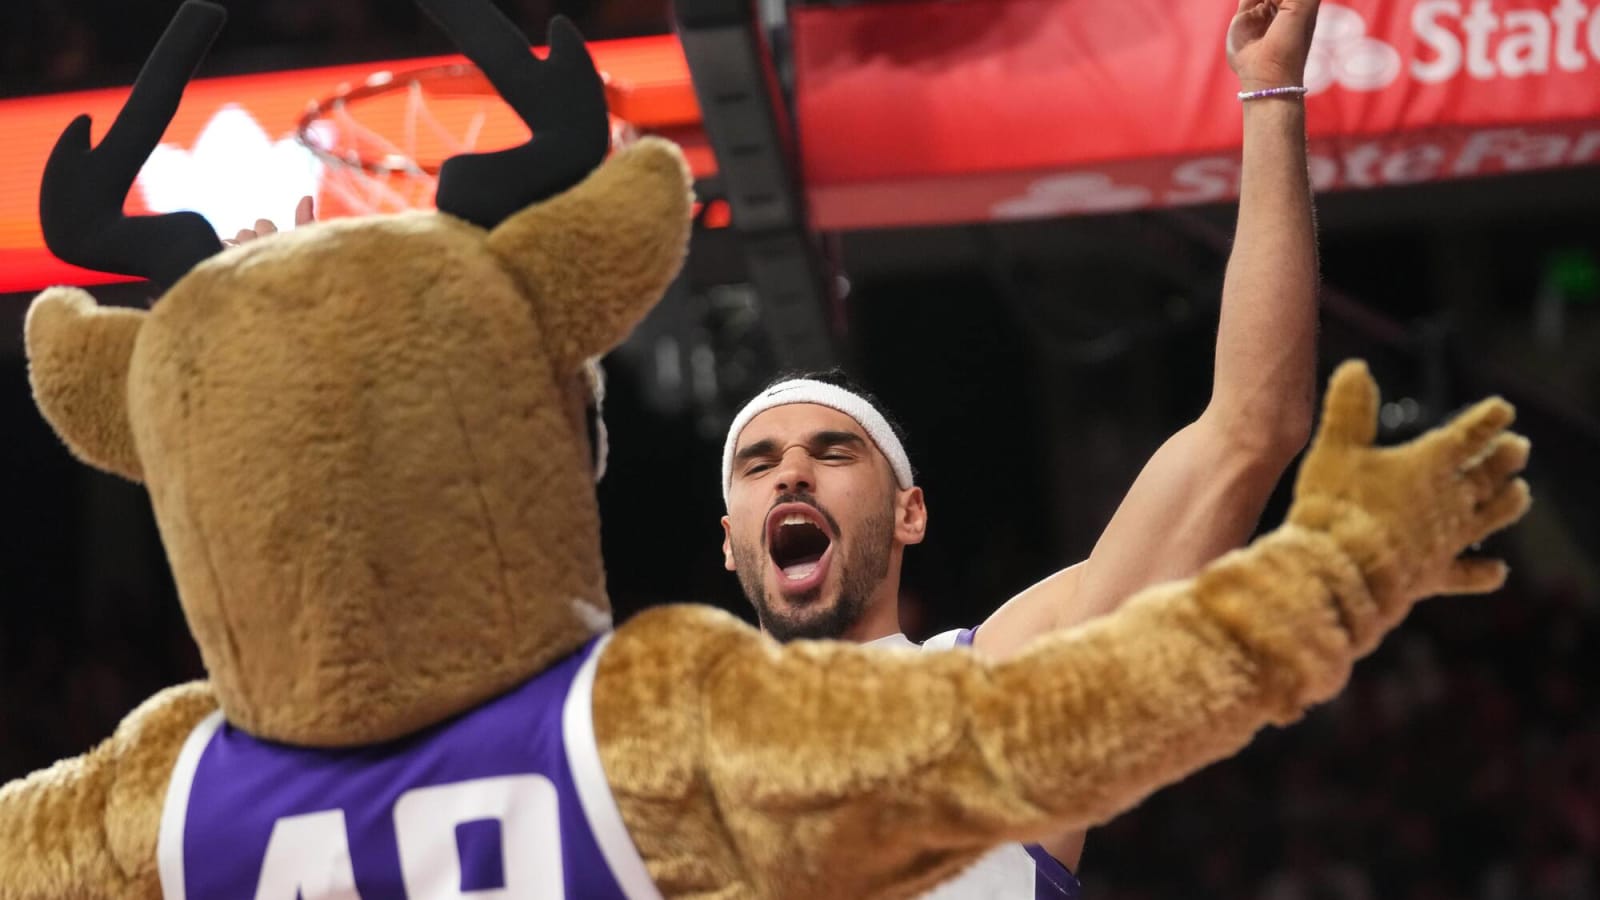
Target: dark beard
x,y
860,574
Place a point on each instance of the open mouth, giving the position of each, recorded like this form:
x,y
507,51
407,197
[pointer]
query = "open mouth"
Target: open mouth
x,y
800,545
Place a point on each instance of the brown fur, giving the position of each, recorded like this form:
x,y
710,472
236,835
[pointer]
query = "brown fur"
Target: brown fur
x,y
365,446
87,827
78,364
789,761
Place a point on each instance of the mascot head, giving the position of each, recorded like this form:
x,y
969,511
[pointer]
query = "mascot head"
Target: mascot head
x,y
370,444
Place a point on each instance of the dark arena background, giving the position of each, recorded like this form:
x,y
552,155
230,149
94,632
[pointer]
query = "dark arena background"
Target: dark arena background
x,y
1037,355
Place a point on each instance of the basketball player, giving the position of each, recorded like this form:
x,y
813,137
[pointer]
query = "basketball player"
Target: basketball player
x,y
822,501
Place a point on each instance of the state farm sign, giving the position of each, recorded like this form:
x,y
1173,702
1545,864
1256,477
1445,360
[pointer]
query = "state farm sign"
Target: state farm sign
x,y
1381,163
1027,108
1343,54
1138,184
1515,43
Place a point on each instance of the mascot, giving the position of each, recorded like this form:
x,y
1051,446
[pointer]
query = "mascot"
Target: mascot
x,y
371,445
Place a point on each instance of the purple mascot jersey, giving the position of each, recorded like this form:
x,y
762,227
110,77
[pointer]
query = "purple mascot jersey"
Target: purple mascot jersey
x,y
507,801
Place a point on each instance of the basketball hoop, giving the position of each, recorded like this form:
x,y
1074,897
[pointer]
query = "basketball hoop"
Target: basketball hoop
x,y
383,141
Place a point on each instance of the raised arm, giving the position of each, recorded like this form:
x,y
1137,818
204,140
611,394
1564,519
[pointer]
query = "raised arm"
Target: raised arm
x,y
1201,494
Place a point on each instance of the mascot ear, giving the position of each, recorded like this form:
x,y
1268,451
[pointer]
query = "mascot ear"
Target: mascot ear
x,y
78,355
596,258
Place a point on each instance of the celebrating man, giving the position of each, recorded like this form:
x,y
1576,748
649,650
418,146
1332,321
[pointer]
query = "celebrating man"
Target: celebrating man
x,y
821,497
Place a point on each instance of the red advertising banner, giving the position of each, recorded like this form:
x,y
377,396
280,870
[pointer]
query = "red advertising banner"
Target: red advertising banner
x,y
910,113
930,112
231,151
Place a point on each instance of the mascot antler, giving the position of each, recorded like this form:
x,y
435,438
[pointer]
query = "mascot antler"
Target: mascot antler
x,y
561,99
81,195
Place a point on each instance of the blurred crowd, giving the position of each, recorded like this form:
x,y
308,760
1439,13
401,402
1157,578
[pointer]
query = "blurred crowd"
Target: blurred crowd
x,y
1463,761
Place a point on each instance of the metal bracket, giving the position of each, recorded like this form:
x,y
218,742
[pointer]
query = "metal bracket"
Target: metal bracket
x,y
745,116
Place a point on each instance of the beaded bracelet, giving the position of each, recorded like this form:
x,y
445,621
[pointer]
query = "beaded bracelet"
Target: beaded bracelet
x,y
1271,92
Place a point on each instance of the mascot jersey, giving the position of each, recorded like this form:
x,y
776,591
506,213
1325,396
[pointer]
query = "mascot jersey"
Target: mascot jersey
x,y
1014,871
507,800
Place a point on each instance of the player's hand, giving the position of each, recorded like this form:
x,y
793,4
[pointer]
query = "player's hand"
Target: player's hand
x,y
1405,514
304,214
1269,41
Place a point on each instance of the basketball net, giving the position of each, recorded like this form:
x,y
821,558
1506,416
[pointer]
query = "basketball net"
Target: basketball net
x,y
382,142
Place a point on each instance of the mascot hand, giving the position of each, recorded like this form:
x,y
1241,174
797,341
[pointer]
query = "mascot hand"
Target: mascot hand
x,y
1405,514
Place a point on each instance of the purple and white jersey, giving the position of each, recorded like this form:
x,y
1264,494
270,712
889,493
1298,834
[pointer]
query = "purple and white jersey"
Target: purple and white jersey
x,y
1009,872
506,801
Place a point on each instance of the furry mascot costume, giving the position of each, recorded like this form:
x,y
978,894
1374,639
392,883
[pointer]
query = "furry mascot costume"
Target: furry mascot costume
x,y
369,448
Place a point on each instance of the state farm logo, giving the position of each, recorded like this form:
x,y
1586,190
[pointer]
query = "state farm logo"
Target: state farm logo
x,y
1343,53
1078,192
1514,44
1449,36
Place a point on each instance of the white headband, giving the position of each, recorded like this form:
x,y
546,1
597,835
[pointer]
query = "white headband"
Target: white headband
x,y
802,390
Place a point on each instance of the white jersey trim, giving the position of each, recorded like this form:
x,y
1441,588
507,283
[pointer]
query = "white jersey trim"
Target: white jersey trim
x,y
944,640
594,792
175,811
1004,872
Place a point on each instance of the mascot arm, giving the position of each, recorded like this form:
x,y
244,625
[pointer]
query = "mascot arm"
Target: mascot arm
x,y
838,770
87,827
931,759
